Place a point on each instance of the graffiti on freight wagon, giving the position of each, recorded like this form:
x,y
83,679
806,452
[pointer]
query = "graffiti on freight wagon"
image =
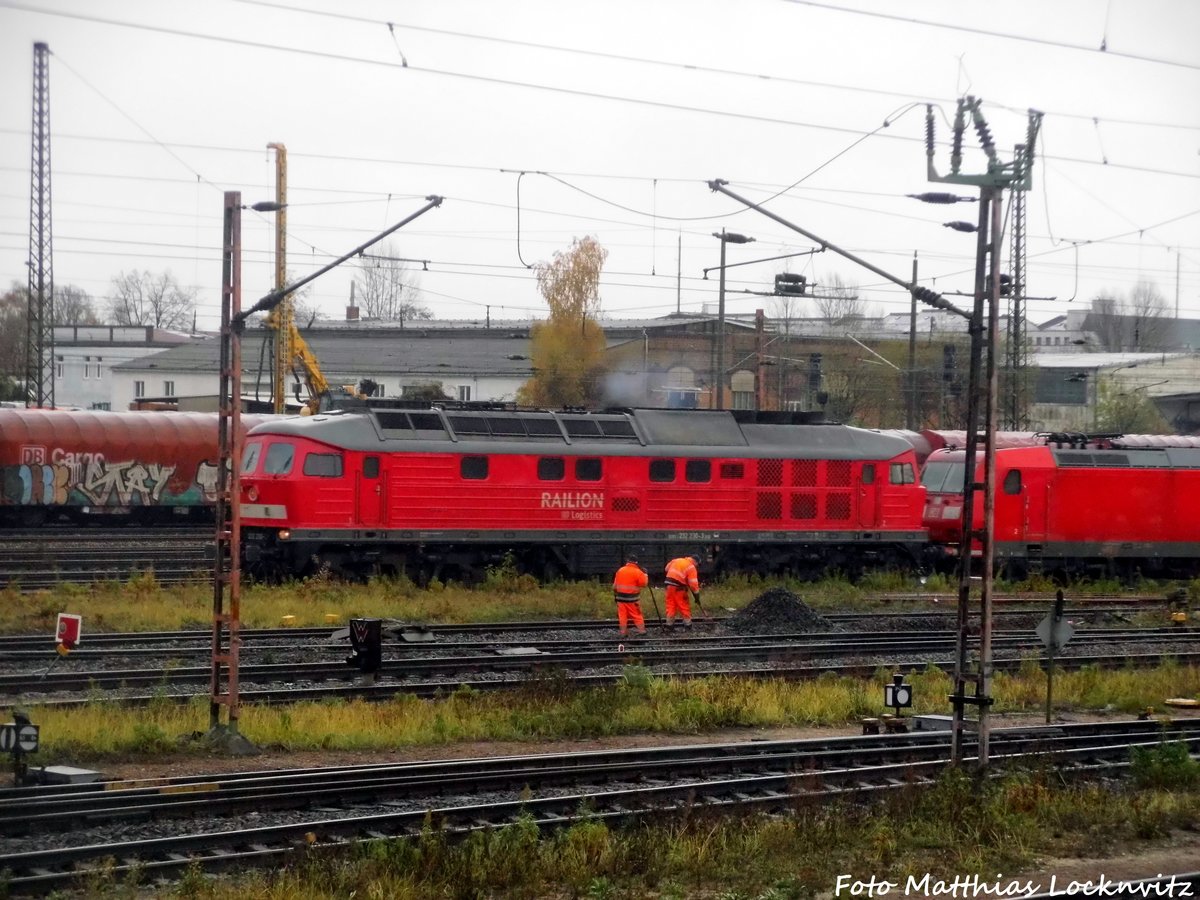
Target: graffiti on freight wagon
x,y
91,480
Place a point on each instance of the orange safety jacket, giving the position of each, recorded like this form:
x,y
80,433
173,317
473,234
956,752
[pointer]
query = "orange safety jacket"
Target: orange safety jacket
x,y
682,573
627,586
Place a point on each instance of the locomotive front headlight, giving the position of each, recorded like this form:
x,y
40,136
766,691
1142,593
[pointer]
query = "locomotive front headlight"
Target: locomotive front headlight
x,y
284,534
252,494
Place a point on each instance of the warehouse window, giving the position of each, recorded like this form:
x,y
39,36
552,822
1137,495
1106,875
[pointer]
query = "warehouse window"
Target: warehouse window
x,y
58,367
139,389
587,470
99,362
474,467
168,389
551,468
741,384
662,470
464,393
87,367
279,459
323,465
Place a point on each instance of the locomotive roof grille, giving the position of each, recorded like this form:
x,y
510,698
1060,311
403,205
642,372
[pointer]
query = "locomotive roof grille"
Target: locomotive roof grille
x,y
410,421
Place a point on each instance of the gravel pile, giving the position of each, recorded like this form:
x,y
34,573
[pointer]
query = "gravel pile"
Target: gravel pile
x,y
778,611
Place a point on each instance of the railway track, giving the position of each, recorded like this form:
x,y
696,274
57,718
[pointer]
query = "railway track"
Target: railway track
x,y
56,836
41,559
34,675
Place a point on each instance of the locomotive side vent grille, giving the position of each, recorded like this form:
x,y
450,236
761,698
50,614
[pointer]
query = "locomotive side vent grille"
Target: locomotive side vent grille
x,y
837,507
733,470
804,473
770,505
770,472
837,473
804,506
625,504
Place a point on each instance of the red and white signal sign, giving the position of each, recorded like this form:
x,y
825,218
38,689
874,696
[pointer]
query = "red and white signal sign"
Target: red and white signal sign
x,y
69,630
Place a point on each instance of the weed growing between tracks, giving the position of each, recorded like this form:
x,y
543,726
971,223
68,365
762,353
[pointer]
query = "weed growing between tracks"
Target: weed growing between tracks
x,y
142,604
548,709
960,827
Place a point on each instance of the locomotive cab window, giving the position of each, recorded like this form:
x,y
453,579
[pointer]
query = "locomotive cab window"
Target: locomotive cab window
x,y
698,471
370,467
902,473
868,474
551,468
662,470
250,458
587,470
323,465
474,467
943,477
1012,482
279,459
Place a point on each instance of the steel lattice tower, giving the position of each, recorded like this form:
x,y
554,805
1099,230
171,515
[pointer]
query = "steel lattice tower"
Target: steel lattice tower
x,y
39,333
1016,363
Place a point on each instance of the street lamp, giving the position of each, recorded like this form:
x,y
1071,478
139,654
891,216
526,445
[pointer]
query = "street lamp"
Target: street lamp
x,y
725,237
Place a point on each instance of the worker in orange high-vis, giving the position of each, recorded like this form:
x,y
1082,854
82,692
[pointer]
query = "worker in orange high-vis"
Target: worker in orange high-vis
x,y
681,578
627,591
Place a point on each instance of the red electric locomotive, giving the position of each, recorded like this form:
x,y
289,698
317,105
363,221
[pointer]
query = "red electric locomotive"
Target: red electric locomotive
x,y
1078,508
446,492
137,467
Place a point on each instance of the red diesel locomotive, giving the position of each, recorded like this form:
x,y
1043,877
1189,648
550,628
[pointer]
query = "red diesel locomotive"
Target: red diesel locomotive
x,y
1075,508
447,492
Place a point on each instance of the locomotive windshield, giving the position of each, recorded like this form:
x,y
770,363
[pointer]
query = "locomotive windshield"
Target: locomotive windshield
x,y
250,457
943,477
279,459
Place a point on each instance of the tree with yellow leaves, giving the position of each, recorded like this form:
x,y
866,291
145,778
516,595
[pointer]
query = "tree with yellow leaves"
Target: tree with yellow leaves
x,y
567,350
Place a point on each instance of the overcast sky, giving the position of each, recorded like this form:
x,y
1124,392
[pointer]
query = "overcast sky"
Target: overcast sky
x,y
620,111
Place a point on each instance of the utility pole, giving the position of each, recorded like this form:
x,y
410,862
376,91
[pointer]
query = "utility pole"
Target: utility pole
x,y
910,410
967,671
226,622
719,375
39,327
281,319
1016,365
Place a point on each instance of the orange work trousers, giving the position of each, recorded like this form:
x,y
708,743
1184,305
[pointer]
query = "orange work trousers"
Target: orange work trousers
x,y
630,609
678,603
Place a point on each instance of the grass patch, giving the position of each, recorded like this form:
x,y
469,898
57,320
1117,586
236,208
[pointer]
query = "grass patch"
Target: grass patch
x,y
549,708
957,828
143,604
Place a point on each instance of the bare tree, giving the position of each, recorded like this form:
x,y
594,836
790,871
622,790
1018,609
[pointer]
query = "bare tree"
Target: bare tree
x,y
838,300
388,288
787,308
74,306
14,312
1141,322
145,298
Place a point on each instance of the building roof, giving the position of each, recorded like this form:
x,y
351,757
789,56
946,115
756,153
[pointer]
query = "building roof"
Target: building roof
x,y
1100,360
358,354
